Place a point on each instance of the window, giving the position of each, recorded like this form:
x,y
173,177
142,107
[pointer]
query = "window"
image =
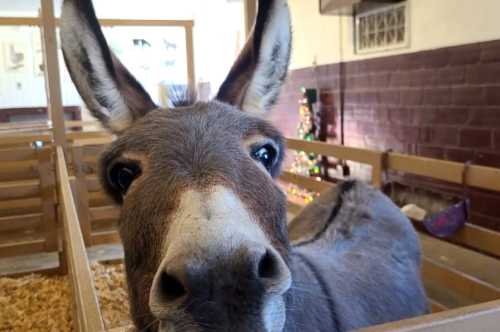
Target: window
x,y
382,29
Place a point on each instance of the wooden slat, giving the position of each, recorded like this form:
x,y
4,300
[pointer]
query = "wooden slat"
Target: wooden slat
x,y
372,158
82,194
191,75
104,213
35,21
13,223
90,151
19,189
19,154
99,199
22,248
24,139
106,237
13,166
47,193
20,206
146,23
466,261
342,152
93,183
306,182
477,176
436,306
80,135
475,237
52,71
88,312
454,280
481,317
13,21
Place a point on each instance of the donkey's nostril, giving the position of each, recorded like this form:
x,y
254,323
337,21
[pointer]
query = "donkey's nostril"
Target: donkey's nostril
x,y
171,288
268,266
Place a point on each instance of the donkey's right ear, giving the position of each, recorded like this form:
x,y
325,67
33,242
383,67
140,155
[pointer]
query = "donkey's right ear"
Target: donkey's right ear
x,y
108,89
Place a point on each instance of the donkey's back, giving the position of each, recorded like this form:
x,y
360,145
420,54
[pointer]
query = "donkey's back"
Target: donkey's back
x,y
356,262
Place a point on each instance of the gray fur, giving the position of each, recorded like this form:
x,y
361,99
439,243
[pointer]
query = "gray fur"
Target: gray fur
x,y
358,265
368,258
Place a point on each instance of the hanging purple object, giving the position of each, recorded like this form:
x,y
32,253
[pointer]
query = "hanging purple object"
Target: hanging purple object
x,y
449,221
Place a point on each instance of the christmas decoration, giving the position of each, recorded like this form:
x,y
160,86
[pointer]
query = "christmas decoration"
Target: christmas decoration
x,y
306,164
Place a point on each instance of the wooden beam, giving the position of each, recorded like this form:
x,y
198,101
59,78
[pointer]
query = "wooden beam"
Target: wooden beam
x,y
459,282
14,21
250,12
24,139
35,21
481,317
190,58
106,237
47,193
19,189
467,262
99,198
82,194
88,313
477,176
306,182
19,154
338,151
106,22
369,157
52,75
104,213
20,206
13,223
22,248
474,237
436,306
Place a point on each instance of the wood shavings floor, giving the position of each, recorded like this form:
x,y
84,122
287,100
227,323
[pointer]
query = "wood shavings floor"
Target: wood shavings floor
x,y
43,303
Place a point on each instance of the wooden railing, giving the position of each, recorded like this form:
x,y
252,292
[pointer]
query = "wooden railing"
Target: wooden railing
x,y
87,316
481,317
83,210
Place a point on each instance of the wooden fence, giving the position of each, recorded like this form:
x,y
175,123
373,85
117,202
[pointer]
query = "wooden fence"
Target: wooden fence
x,y
88,218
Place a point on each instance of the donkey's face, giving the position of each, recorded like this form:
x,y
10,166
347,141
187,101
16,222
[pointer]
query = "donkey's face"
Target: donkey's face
x,y
202,222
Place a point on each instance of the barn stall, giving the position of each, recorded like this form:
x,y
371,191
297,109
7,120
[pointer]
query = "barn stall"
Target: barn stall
x,y
56,222
460,273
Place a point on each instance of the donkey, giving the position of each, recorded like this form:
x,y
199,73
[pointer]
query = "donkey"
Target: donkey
x,y
203,221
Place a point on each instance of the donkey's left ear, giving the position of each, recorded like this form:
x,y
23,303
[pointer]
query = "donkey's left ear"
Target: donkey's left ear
x,y
255,80
108,89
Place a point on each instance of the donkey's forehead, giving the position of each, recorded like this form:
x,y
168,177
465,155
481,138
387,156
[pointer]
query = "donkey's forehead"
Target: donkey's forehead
x,y
213,123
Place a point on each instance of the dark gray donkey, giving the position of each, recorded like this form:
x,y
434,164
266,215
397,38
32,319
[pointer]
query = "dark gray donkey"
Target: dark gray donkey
x,y
203,222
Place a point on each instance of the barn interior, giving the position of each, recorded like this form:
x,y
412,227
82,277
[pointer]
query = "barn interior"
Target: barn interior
x,y
401,94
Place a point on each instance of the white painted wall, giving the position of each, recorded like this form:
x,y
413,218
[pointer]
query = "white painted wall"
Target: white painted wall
x,y
434,24
218,36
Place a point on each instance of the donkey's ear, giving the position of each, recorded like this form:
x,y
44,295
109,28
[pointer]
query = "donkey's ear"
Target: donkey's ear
x,y
255,80
111,93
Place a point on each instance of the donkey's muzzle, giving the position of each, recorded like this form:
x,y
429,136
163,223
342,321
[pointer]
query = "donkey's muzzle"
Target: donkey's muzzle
x,y
221,284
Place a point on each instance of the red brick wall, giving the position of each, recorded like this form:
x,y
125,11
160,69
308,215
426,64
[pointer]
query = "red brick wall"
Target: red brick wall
x,y
441,103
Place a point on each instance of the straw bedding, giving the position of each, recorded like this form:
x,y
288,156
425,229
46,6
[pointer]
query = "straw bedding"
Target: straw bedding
x,y
43,303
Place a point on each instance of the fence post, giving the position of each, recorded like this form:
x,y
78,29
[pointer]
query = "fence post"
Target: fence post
x,y
81,193
47,194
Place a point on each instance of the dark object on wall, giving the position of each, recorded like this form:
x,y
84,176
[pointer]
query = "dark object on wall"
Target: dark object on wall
x,y
348,7
34,114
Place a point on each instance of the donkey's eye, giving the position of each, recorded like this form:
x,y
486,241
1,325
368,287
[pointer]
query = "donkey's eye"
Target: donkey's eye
x,y
266,155
122,175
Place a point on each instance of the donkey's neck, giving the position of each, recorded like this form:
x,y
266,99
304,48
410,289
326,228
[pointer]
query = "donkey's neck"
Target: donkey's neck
x,y
310,306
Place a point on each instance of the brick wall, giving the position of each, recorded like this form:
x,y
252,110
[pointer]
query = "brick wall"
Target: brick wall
x,y
442,103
